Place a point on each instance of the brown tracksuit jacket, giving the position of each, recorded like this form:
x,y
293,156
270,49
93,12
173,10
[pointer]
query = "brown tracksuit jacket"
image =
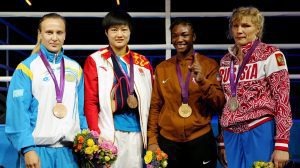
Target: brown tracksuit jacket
x,y
166,99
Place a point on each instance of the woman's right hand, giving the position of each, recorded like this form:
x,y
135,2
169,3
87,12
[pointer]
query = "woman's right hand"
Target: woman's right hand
x,y
153,147
222,157
100,140
32,159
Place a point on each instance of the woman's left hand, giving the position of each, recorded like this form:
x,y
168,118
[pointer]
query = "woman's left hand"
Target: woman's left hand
x,y
196,70
280,158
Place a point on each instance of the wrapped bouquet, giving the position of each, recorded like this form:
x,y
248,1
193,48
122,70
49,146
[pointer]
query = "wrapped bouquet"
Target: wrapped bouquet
x,y
157,159
90,153
261,164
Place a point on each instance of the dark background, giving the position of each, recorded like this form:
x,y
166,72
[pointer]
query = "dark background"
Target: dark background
x,y
209,30
147,5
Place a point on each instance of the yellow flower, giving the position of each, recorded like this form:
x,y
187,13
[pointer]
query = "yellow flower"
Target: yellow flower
x,y
95,148
164,164
271,164
84,132
89,150
262,164
149,153
107,158
90,142
148,157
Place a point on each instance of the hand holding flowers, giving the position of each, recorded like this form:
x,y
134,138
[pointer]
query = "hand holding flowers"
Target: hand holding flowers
x,y
157,159
91,153
261,164
108,153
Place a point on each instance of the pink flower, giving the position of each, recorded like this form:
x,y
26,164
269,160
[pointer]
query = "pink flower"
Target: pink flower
x,y
109,146
149,166
95,134
92,154
114,150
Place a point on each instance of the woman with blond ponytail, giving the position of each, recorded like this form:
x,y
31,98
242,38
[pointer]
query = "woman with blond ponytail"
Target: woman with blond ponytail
x,y
45,101
37,46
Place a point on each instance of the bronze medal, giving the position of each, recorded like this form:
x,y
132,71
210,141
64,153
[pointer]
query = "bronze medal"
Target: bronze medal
x,y
113,106
59,110
185,110
233,103
113,101
132,101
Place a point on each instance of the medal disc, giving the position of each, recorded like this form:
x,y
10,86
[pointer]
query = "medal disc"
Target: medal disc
x,y
233,103
132,101
185,110
113,101
113,106
59,110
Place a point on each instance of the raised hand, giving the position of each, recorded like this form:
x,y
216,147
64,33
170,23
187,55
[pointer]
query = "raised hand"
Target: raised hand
x,y
196,70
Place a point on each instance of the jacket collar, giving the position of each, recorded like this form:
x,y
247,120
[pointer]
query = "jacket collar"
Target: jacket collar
x,y
51,57
233,49
175,58
125,57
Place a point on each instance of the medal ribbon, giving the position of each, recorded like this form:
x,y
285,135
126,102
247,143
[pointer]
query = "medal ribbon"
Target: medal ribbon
x,y
184,86
131,84
233,84
59,90
131,80
123,86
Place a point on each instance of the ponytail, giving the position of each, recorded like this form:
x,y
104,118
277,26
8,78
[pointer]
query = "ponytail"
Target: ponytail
x,y
37,47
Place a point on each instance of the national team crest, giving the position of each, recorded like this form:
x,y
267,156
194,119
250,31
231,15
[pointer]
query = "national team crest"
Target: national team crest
x,y
280,59
70,77
141,71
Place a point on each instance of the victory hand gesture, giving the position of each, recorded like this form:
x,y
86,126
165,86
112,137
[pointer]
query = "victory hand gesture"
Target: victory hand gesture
x,y
196,70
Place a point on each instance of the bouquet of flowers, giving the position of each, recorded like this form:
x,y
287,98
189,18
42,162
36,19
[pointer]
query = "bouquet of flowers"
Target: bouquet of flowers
x,y
261,164
157,159
108,153
90,153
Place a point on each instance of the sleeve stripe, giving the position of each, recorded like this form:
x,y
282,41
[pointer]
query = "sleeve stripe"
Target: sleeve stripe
x,y
281,144
79,74
25,69
221,144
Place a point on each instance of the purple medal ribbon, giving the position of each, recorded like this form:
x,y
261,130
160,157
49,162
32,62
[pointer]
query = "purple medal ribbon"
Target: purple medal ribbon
x,y
184,86
59,90
233,84
131,89
131,80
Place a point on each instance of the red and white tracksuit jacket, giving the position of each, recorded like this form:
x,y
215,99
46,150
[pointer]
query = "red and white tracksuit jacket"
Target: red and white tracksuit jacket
x,y
262,91
99,80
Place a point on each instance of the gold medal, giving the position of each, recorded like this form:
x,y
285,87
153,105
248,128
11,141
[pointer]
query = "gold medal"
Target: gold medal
x,y
59,110
132,101
233,103
185,110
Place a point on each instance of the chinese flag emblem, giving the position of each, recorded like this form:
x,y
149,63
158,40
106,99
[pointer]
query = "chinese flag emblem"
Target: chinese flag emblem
x,y
280,59
141,70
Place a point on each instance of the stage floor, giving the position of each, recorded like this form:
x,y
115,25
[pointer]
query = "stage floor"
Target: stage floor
x,y
8,155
